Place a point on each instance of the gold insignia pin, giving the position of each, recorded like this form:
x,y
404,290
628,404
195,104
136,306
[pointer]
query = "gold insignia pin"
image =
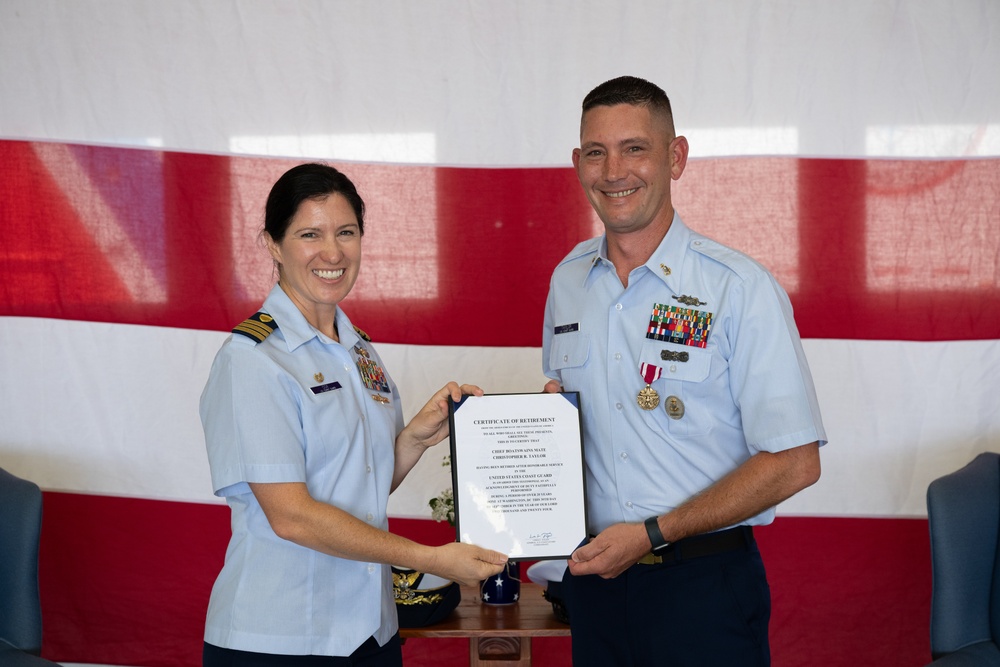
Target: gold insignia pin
x,y
381,399
264,317
666,269
318,377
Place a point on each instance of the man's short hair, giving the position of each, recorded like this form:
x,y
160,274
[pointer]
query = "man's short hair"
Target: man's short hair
x,y
630,90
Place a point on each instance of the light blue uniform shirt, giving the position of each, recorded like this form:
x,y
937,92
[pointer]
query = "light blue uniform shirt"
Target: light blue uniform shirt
x,y
294,408
748,390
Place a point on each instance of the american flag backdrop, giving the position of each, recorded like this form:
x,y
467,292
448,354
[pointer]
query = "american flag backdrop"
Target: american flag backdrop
x,y
851,147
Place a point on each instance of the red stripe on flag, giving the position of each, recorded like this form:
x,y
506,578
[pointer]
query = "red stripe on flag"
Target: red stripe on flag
x,y
126,581
867,249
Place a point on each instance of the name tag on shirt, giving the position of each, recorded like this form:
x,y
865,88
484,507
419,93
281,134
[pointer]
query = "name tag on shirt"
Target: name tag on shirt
x,y
323,388
567,328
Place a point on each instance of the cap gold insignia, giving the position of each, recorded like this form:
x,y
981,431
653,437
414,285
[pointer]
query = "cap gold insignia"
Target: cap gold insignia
x,y
666,269
689,300
674,407
318,377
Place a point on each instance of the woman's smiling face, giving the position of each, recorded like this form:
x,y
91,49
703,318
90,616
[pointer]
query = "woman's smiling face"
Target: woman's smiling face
x,y
320,256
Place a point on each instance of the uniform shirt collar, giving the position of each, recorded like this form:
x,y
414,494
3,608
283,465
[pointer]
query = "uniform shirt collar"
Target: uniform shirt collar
x,y
666,261
296,329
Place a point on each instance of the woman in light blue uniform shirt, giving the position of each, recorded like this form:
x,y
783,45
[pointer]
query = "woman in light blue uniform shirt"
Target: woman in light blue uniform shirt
x,y
306,440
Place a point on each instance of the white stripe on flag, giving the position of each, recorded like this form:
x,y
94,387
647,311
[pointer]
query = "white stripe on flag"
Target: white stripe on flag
x,y
894,420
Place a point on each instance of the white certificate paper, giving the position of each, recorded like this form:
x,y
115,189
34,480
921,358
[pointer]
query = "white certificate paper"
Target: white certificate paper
x,y
517,472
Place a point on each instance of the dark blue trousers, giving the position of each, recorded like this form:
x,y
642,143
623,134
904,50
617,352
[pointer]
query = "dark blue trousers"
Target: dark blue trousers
x,y
698,612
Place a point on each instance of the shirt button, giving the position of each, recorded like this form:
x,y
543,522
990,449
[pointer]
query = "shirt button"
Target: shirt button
x,y
618,406
618,306
565,357
618,356
624,456
673,369
368,468
370,516
371,568
628,504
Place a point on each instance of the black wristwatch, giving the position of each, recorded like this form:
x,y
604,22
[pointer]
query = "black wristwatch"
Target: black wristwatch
x,y
655,536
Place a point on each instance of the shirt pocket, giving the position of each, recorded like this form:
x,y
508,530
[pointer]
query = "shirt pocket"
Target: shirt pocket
x,y
677,362
568,356
684,373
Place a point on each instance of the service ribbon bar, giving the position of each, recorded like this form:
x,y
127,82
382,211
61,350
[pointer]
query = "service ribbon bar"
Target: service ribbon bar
x,y
683,326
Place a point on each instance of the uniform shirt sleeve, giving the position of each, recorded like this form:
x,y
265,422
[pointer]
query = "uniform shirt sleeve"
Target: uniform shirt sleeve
x,y
252,424
769,375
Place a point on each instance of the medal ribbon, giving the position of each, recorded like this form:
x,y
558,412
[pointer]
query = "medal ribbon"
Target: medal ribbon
x,y
649,372
372,375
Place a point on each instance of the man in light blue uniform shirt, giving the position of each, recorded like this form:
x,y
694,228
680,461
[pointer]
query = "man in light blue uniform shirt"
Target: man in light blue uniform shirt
x,y
698,407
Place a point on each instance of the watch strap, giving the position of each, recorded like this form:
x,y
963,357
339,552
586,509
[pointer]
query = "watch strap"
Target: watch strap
x,y
653,531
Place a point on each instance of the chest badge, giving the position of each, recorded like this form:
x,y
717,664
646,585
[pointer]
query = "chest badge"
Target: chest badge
x,y
674,407
689,300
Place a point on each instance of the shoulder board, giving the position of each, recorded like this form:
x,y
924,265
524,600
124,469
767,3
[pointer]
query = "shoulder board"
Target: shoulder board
x,y
362,334
257,327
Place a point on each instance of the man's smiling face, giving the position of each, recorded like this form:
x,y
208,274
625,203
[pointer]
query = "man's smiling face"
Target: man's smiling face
x,y
626,160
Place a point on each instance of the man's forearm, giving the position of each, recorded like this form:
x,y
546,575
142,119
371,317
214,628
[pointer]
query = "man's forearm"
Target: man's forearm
x,y
761,482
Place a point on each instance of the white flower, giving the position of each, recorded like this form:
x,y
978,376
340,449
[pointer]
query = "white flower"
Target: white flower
x,y
443,507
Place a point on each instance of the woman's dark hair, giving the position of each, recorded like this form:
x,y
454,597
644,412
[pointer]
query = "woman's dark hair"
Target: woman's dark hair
x,y
307,181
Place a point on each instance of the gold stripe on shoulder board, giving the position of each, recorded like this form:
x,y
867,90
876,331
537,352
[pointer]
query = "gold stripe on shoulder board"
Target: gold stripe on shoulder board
x,y
257,327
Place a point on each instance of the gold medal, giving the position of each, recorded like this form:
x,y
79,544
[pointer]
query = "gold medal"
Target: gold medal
x,y
647,398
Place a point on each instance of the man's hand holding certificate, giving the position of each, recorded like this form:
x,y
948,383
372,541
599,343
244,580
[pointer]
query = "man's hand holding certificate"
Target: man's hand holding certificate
x,y
517,472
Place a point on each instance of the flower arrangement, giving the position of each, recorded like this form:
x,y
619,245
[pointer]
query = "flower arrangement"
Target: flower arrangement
x,y
443,506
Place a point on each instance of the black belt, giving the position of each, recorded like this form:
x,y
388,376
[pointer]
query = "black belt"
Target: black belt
x,y
709,544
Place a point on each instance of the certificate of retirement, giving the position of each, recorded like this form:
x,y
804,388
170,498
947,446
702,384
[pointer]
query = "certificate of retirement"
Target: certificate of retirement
x,y
518,475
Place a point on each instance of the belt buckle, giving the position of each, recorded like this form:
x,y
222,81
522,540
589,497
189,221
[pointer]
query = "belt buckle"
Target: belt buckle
x,y
650,559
